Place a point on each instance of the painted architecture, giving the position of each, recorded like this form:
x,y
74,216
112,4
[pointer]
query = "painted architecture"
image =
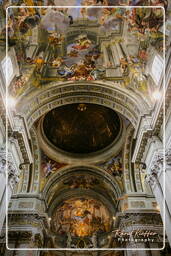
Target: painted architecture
x,y
85,128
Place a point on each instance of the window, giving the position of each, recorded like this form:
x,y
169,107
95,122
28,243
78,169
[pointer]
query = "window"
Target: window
x,y
7,68
157,68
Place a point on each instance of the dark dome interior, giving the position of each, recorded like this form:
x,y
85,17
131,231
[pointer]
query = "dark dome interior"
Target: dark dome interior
x,y
81,128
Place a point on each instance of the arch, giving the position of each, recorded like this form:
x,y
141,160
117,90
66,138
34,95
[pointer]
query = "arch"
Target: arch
x,y
78,193
68,171
91,158
109,94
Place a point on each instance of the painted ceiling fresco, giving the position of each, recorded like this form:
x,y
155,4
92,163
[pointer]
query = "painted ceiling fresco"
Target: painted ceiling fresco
x,y
69,44
114,167
49,166
81,217
83,180
80,62
81,128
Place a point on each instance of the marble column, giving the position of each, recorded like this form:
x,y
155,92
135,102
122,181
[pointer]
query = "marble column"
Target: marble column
x,y
2,191
158,193
168,178
5,199
13,178
2,176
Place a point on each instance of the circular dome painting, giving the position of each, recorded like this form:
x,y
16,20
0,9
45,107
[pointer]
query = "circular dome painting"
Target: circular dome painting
x,y
81,128
81,217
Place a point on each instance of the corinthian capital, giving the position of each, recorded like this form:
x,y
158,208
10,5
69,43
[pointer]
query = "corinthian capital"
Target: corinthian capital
x,y
157,165
150,179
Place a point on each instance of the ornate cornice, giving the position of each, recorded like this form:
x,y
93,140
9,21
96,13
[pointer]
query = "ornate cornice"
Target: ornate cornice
x,y
110,94
165,110
16,131
149,134
69,171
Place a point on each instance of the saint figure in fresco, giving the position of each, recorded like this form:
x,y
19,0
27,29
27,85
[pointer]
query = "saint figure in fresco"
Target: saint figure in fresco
x,y
82,42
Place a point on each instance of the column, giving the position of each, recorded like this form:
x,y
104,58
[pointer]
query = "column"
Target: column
x,y
13,178
120,53
158,193
2,176
124,49
168,178
6,197
2,191
115,55
105,56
